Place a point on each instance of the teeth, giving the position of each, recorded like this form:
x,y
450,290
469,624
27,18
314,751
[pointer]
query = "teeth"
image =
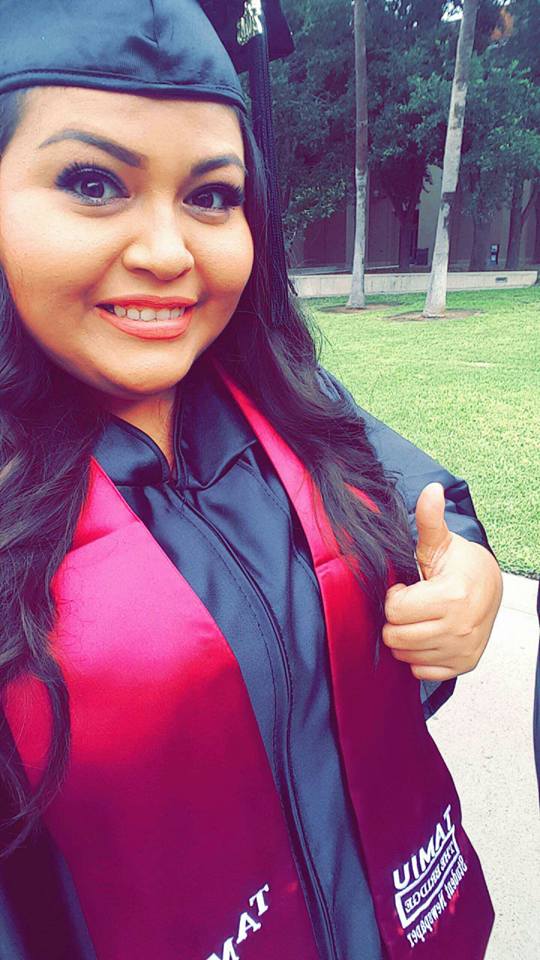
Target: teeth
x,y
146,314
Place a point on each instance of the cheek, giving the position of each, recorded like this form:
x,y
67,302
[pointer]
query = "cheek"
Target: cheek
x,y
22,249
227,262
45,256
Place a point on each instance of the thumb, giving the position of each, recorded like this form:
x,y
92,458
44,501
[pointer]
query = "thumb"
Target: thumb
x,y
433,535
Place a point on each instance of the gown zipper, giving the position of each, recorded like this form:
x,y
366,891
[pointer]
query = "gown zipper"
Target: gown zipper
x,y
289,799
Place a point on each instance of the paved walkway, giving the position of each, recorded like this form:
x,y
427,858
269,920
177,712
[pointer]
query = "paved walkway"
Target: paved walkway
x,y
311,283
485,735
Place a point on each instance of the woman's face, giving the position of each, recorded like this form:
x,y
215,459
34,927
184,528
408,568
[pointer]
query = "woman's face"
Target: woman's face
x,y
108,200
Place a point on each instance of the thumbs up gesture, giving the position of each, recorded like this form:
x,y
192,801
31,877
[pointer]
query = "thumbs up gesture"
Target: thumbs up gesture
x,y
441,625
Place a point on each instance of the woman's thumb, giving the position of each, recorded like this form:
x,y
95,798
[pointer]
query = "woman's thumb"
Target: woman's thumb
x,y
433,534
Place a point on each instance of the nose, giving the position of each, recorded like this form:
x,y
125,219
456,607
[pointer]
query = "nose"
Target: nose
x,y
159,246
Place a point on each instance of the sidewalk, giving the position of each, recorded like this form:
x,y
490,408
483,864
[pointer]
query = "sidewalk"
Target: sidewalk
x,y
485,735
309,284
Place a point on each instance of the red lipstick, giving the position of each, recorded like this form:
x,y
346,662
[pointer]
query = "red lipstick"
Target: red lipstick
x,y
143,300
150,329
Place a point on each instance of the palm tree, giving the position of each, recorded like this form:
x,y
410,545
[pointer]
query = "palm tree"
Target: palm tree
x,y
435,305
357,296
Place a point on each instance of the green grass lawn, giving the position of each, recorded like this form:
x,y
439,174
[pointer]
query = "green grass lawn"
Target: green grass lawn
x,y
465,390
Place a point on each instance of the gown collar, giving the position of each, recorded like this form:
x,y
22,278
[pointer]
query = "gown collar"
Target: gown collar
x,y
210,434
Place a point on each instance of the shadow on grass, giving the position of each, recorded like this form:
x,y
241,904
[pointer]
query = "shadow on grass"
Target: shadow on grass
x,y
449,315
381,304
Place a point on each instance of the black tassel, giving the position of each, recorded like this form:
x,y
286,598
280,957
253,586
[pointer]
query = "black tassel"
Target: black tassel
x,y
261,104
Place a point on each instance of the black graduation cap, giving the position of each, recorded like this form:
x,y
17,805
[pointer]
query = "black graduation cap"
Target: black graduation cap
x,y
168,47
136,45
225,15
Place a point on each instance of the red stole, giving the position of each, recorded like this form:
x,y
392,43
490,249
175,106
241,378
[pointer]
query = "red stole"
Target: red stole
x,y
237,896
425,877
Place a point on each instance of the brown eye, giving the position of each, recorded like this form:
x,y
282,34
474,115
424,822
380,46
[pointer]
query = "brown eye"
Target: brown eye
x,y
92,187
207,200
90,184
217,198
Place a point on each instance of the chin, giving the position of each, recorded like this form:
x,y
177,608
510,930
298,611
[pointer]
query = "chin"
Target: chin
x,y
136,391
143,384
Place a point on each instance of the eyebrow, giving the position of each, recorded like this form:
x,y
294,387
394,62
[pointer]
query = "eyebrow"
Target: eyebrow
x,y
109,146
134,159
215,163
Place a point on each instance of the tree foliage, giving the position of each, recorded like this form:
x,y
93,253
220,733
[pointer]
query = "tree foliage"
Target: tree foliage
x,y
502,139
411,51
314,111
406,44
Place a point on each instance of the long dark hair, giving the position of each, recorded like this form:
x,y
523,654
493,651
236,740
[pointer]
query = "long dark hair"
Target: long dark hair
x,y
49,425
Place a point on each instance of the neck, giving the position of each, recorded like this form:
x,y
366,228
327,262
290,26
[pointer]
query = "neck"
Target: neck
x,y
154,415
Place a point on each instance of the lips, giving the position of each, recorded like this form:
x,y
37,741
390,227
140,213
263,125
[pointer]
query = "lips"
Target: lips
x,y
157,303
143,321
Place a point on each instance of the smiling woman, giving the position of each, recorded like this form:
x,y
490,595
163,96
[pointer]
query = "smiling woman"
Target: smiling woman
x,y
205,751
127,227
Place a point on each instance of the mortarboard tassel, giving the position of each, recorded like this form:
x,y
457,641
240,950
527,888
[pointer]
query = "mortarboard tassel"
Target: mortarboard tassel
x,y
252,31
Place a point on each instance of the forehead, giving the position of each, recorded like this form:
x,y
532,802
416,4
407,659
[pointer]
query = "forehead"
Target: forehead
x,y
147,124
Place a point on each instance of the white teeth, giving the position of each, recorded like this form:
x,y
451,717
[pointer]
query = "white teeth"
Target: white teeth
x,y
147,315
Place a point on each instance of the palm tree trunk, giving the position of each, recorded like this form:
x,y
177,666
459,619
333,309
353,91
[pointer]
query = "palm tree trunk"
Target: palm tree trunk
x,y
435,305
357,296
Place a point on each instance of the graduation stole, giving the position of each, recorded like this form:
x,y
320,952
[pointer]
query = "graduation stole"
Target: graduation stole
x,y
239,896
426,881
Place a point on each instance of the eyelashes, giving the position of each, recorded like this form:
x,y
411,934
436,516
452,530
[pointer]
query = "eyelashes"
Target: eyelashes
x,y
97,182
94,178
230,196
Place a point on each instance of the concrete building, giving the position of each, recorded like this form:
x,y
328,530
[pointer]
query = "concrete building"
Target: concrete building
x,y
327,245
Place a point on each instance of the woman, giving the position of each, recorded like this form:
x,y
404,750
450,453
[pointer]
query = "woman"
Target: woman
x,y
222,759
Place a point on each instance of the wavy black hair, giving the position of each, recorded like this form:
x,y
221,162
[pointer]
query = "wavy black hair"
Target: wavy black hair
x,y
49,424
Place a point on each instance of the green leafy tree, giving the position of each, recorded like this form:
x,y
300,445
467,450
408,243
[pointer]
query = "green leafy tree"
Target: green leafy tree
x,y
520,35
410,55
522,45
314,112
501,147
406,43
501,136
314,107
501,139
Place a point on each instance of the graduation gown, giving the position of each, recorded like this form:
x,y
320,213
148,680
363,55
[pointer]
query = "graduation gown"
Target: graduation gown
x,y
108,876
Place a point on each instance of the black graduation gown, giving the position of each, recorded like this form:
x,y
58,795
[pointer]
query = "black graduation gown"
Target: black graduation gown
x,y
220,464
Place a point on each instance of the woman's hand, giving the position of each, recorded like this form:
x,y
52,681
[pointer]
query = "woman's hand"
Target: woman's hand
x,y
441,625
